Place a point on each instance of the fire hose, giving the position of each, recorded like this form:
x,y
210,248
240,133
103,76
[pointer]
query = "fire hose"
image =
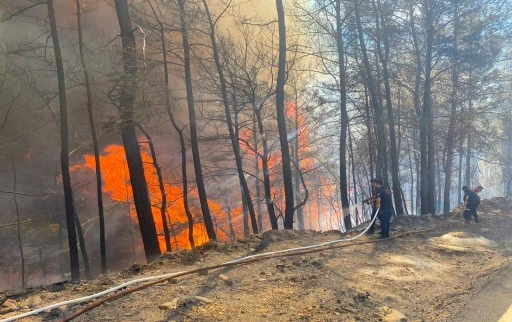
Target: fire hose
x,y
153,280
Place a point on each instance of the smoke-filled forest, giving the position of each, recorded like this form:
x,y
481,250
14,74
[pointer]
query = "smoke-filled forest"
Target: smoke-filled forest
x,y
130,128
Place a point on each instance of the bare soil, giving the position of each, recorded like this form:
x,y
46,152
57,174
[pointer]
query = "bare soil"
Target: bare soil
x,y
426,276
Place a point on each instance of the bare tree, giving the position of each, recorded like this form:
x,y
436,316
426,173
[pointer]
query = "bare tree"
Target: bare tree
x,y
193,126
234,139
161,187
252,63
94,136
343,116
372,88
15,198
64,152
177,128
426,123
281,118
130,142
450,137
382,38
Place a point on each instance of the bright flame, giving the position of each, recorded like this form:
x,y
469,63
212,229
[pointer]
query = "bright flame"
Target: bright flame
x,y
322,212
116,184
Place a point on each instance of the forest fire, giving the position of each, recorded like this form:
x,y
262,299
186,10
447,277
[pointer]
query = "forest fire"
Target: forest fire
x,y
316,214
116,184
228,219
319,217
267,114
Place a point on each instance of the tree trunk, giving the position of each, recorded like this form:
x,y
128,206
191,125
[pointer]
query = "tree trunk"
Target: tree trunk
x,y
264,164
432,164
42,262
340,46
310,217
411,174
15,199
467,179
232,235
507,178
419,68
99,194
245,215
450,138
394,152
281,119
379,117
184,176
234,139
64,147
183,148
161,187
298,194
405,204
257,171
176,245
439,187
459,185
225,199
399,133
417,106
469,151
426,123
62,262
369,131
81,243
417,161
318,204
353,164
130,142
210,230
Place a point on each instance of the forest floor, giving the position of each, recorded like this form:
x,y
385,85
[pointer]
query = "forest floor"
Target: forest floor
x,y
426,276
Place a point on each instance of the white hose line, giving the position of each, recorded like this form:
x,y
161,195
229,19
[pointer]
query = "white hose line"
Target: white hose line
x,y
171,275
90,297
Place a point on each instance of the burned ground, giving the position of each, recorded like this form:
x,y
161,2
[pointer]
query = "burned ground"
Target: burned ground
x,y
427,276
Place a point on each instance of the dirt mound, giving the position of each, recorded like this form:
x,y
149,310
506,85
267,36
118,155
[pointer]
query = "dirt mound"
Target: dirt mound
x,y
496,203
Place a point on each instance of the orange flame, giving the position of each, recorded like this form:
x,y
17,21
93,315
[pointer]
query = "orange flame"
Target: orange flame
x,y
321,211
116,184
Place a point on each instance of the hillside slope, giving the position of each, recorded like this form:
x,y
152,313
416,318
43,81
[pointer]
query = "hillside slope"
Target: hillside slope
x,y
425,276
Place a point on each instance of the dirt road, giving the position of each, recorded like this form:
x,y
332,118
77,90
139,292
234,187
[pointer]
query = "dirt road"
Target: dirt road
x,y
492,302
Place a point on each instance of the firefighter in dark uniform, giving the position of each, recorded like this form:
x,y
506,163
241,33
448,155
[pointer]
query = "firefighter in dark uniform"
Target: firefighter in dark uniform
x,y
471,201
384,202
